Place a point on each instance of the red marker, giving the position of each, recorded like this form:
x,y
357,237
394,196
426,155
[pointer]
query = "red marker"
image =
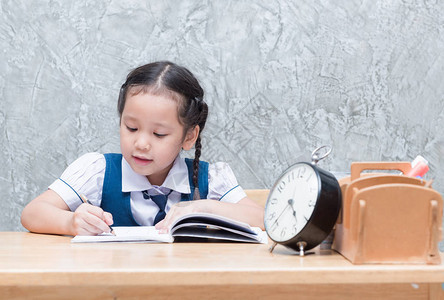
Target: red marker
x,y
420,166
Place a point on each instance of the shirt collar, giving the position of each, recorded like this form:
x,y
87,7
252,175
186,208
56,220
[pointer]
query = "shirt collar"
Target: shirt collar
x,y
177,178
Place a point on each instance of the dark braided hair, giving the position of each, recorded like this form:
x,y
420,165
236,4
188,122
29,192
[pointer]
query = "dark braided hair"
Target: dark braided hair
x,y
178,83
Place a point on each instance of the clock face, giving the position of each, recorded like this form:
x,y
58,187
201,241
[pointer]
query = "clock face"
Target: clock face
x,y
291,202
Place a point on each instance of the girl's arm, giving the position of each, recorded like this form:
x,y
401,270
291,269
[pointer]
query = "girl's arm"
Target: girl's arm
x,y
246,210
48,213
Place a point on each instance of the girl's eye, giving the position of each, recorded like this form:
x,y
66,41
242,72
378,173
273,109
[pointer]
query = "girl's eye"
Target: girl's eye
x,y
131,129
159,135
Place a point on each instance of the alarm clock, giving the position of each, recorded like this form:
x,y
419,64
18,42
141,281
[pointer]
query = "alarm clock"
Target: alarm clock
x,y
303,205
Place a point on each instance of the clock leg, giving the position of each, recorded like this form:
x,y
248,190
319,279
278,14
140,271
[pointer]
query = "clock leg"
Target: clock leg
x,y
301,246
272,247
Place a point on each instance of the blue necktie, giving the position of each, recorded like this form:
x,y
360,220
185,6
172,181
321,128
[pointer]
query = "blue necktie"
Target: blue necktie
x,y
161,201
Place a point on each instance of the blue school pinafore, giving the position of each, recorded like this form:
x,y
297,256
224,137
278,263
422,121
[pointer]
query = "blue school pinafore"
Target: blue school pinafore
x,y
117,202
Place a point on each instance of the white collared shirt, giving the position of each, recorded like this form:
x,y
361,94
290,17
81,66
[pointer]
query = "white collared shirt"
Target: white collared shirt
x,y
86,174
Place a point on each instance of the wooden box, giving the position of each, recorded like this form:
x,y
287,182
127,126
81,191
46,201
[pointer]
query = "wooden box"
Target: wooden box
x,y
388,218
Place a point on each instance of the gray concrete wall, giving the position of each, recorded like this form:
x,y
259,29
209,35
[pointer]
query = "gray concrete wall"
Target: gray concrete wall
x,y
281,78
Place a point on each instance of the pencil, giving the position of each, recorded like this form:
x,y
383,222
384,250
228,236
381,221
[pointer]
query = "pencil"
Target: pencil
x,y
85,200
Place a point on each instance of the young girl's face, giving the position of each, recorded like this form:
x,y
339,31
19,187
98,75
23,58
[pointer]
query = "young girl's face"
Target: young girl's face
x,y
151,135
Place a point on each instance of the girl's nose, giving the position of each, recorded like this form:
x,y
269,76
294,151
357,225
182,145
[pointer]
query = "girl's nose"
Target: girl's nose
x,y
143,143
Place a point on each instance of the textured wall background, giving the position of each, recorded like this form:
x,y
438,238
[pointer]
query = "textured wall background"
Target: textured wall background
x,y
281,77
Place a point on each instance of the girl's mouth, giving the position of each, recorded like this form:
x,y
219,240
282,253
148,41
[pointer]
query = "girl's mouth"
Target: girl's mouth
x,y
142,161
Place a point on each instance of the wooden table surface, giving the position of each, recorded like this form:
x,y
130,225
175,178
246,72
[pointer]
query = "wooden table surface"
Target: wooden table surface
x,y
52,267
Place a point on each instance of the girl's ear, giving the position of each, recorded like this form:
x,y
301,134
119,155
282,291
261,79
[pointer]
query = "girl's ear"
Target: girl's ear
x,y
191,138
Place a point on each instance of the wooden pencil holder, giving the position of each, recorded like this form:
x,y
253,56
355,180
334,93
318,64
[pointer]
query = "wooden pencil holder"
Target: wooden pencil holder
x,y
388,218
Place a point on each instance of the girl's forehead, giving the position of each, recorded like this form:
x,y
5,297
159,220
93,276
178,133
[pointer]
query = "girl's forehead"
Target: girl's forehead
x,y
148,108
154,90
159,92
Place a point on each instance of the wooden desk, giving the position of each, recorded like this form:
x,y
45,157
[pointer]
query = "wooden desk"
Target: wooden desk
x,y
50,267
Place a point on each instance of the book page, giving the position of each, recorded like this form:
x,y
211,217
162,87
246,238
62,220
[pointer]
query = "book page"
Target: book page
x,y
219,233
126,234
212,219
205,225
202,225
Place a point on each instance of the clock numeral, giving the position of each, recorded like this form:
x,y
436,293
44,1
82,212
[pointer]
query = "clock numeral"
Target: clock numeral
x,y
311,203
283,232
274,201
309,176
301,172
272,216
281,186
290,177
294,230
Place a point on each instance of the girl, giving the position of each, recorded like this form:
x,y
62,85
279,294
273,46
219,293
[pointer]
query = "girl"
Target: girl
x,y
162,111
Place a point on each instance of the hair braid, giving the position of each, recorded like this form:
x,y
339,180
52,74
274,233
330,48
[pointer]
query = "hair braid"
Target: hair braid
x,y
197,152
200,109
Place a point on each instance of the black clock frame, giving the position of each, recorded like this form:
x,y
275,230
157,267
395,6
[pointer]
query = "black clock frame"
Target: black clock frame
x,y
325,213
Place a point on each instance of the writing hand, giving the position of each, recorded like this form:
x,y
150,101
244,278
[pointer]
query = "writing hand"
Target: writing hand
x,y
90,220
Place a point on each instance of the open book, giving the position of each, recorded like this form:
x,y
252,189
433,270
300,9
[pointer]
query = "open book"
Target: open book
x,y
196,226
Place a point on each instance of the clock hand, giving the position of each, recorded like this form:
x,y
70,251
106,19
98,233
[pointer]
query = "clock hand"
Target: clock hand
x,y
282,212
290,202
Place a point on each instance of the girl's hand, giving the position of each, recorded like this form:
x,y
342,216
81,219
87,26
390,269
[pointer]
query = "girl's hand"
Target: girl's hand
x,y
178,210
90,220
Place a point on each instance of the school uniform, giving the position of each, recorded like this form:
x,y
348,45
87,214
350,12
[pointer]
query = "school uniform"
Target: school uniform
x,y
86,176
